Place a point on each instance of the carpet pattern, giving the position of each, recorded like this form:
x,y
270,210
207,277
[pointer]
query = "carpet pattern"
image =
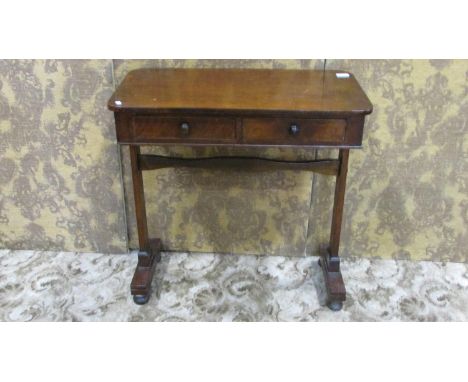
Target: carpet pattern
x,y
65,286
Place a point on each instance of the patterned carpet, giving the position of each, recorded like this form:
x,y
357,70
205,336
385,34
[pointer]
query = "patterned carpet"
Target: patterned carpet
x,y
56,286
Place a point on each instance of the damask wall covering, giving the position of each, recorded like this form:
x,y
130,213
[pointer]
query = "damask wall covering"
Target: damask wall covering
x,y
59,170
407,189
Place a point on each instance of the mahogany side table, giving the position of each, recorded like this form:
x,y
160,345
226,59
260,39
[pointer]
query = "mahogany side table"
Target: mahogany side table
x,y
239,107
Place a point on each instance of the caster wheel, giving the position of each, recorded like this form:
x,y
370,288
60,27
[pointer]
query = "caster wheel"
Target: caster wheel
x,y
141,299
335,305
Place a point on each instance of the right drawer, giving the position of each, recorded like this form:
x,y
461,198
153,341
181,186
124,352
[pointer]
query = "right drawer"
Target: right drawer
x,y
285,131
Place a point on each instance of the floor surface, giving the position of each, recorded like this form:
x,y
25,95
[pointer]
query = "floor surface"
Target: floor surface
x,y
59,286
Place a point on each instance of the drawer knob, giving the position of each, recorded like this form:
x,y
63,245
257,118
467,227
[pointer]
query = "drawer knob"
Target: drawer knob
x,y
294,129
184,128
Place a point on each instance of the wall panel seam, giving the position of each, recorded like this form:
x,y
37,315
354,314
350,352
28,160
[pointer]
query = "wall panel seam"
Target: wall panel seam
x,y
122,187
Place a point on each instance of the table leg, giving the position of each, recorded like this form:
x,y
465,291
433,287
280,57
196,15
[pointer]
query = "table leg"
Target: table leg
x,y
329,259
149,253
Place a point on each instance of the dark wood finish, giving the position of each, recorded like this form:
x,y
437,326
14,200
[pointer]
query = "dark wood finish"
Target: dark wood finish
x,y
321,166
294,131
334,284
140,286
340,188
150,128
149,253
240,91
239,107
330,261
192,130
139,197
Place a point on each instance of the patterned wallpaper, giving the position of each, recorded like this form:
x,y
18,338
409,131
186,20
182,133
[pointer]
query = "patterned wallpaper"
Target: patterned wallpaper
x,y
407,189
407,194
60,185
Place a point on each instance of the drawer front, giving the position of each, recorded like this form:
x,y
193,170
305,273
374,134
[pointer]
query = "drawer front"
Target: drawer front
x,y
147,128
280,131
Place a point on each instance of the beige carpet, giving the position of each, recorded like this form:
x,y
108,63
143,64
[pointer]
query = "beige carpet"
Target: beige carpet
x,y
55,286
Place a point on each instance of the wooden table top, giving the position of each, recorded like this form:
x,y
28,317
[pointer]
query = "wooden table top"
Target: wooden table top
x,y
248,91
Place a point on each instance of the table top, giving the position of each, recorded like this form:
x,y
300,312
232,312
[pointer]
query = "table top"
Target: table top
x,y
247,91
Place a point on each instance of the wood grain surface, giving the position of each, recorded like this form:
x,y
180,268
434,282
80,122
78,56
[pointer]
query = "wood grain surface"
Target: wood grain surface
x,y
240,90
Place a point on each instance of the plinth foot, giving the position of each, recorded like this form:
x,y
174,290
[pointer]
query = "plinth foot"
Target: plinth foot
x,y
334,284
143,276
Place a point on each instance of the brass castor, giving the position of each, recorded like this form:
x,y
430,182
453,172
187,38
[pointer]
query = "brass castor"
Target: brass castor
x,y
335,305
141,299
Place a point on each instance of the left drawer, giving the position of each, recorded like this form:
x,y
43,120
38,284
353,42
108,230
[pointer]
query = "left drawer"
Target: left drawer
x,y
185,129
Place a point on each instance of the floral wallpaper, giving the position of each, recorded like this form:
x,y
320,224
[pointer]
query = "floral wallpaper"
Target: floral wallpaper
x,y
60,182
407,190
61,187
